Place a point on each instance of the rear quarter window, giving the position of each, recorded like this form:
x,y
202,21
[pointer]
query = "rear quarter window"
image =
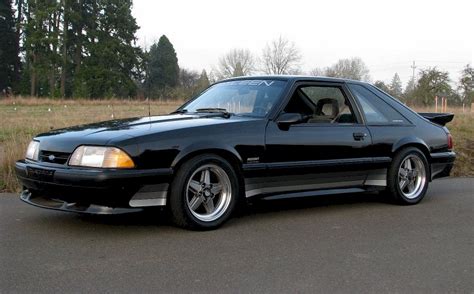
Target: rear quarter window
x,y
376,111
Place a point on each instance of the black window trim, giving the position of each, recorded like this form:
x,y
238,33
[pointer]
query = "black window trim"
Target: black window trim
x,y
405,124
396,101
345,92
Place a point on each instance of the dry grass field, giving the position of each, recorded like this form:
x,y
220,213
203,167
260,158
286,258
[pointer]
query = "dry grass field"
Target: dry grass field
x,y
21,119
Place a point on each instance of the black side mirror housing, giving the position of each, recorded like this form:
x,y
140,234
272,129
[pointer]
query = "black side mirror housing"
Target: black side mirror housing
x,y
287,119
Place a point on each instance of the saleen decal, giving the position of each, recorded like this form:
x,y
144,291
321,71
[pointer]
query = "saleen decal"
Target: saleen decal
x,y
252,83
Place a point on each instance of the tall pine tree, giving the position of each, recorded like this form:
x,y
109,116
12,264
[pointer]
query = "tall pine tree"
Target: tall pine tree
x,y
396,86
42,45
84,48
110,64
203,81
8,52
162,67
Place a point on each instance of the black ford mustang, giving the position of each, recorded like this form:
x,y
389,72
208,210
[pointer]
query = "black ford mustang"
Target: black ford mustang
x,y
272,136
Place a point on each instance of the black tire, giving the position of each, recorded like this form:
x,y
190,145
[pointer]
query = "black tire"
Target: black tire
x,y
181,213
394,179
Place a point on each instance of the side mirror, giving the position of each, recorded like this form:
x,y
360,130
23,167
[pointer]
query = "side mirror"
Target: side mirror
x,y
287,119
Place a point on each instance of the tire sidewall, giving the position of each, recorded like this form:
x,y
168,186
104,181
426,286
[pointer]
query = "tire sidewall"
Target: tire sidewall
x,y
178,202
393,175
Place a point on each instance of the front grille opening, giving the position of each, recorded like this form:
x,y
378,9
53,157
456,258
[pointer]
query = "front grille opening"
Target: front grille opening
x,y
54,157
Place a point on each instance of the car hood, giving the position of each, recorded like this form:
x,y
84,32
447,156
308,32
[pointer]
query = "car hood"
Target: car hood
x,y
114,131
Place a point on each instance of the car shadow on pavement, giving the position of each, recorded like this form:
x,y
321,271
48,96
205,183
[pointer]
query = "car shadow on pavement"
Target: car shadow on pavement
x,y
254,209
297,203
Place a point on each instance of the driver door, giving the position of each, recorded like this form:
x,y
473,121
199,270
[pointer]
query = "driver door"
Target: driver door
x,y
329,149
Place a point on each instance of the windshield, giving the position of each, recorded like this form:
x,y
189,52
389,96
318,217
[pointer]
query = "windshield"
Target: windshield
x,y
242,97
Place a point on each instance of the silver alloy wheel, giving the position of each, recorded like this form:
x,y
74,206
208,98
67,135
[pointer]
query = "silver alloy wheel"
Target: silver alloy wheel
x,y
411,176
208,192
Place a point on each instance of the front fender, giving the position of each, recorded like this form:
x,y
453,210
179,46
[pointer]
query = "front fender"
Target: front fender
x,y
203,146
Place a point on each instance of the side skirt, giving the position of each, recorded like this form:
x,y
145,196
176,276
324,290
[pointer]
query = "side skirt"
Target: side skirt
x,y
315,184
314,193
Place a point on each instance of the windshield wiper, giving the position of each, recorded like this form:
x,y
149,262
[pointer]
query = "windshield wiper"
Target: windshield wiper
x,y
179,111
222,111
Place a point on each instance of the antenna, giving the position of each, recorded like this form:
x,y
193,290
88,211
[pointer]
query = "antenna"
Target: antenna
x,y
147,87
149,107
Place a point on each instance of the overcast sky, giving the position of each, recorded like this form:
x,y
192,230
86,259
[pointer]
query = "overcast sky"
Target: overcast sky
x,y
387,35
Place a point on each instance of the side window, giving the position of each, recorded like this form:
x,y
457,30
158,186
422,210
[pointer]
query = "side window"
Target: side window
x,y
375,109
321,104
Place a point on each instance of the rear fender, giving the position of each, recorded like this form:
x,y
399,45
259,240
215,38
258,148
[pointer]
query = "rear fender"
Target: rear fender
x,y
414,142
411,141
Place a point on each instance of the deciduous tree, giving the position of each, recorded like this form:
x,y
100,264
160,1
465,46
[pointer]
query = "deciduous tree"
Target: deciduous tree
x,y
281,56
349,68
236,62
466,84
432,82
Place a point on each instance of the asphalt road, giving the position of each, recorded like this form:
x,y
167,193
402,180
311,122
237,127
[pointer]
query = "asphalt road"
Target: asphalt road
x,y
345,243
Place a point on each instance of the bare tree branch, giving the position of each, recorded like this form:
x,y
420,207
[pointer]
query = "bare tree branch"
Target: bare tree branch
x,y
281,56
237,62
349,68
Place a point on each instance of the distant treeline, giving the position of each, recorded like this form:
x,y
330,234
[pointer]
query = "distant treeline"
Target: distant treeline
x,y
87,49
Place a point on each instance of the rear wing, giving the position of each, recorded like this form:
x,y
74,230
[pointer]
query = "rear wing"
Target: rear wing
x,y
438,118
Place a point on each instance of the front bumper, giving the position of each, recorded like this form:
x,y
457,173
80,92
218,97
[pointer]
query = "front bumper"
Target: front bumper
x,y
58,204
87,189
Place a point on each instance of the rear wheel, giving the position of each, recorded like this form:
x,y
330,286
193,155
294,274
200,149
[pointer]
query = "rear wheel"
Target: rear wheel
x,y
204,192
408,176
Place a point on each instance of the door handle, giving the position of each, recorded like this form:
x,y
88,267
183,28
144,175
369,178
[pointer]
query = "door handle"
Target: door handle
x,y
359,136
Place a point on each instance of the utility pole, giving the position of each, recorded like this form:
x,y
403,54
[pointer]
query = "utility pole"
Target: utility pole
x,y
413,76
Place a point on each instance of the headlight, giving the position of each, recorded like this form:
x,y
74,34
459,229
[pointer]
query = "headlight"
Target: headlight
x,y
103,157
32,151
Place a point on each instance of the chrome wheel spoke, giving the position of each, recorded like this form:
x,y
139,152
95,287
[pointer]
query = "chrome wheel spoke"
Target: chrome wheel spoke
x,y
403,173
195,202
209,205
194,186
411,186
206,177
216,189
403,184
408,164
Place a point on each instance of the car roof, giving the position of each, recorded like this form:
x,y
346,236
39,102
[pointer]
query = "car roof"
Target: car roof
x,y
293,78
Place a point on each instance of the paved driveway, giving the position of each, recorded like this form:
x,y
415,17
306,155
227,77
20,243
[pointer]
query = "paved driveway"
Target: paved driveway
x,y
345,243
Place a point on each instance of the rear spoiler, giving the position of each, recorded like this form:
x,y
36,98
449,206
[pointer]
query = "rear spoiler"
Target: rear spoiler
x,y
438,118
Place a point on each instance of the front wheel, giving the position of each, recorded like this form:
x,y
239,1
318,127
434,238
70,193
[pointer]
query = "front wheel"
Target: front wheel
x,y
204,192
408,176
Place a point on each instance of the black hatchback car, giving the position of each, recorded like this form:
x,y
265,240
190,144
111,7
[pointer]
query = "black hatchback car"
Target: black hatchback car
x,y
270,136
